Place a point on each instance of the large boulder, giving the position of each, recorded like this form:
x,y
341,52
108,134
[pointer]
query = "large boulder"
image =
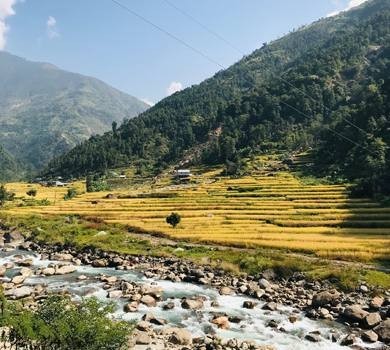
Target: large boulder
x,y
179,336
148,300
355,313
383,331
325,297
192,304
61,257
226,291
65,269
3,270
19,293
221,322
13,237
372,320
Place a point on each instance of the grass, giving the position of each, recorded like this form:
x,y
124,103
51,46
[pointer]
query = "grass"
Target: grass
x,y
282,212
87,232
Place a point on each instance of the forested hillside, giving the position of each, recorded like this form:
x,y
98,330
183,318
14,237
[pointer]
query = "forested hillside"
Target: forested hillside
x,y
340,67
45,111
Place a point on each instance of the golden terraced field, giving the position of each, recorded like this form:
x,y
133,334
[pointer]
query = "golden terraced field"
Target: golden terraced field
x,y
268,211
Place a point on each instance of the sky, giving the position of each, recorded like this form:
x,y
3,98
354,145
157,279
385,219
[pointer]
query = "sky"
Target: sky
x,y
100,38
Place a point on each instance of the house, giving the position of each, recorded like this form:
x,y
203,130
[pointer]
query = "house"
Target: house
x,y
183,174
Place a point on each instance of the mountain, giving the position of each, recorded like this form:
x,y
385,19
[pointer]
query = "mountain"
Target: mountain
x,y
45,111
294,93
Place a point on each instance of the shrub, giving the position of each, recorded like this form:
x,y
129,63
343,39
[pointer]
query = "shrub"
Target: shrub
x,y
173,219
60,324
32,192
72,192
5,195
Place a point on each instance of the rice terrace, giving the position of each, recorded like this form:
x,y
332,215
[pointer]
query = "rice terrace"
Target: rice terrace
x,y
270,209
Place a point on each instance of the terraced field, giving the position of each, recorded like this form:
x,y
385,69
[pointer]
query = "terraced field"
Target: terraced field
x,y
274,210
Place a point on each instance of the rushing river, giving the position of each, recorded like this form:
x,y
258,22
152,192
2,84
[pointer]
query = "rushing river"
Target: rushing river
x,y
252,327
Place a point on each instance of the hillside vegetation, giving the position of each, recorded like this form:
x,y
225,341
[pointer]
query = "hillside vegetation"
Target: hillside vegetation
x,y
339,64
45,111
268,209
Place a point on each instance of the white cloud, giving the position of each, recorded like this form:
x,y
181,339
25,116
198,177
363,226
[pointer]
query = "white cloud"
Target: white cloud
x,y
51,27
173,87
148,102
351,4
6,10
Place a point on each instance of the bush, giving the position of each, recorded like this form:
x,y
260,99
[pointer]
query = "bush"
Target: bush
x,y
5,195
173,219
32,192
60,324
72,192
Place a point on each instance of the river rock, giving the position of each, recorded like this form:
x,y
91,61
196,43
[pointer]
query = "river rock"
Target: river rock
x,y
3,270
148,300
169,305
115,294
355,313
264,284
376,302
131,307
26,262
178,336
13,237
372,320
248,304
192,304
100,263
25,271
221,322
226,291
314,337
153,319
271,306
142,338
348,340
325,297
61,257
49,271
369,336
18,279
19,293
65,269
383,331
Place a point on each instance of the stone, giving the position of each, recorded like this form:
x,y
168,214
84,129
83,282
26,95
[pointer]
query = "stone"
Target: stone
x,y
179,336
364,288
226,291
192,304
13,237
148,300
82,278
18,279
264,284
143,326
372,320
369,336
61,257
3,270
65,269
355,313
26,262
100,263
131,307
49,271
19,293
376,302
25,271
383,331
325,297
221,322
271,306
142,338
348,340
323,312
293,318
248,304
313,337
169,305
115,294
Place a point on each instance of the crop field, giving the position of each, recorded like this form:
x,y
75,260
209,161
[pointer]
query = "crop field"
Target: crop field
x,y
273,210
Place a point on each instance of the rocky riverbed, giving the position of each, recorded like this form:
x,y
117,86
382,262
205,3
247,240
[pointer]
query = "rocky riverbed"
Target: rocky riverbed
x,y
179,305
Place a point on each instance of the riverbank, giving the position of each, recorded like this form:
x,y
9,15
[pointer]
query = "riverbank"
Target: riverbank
x,y
285,304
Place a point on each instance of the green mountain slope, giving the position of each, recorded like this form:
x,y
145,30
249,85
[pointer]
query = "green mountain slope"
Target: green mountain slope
x,y
333,62
45,111
9,168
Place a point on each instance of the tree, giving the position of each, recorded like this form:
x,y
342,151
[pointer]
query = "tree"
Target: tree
x,y
71,193
5,195
173,219
32,192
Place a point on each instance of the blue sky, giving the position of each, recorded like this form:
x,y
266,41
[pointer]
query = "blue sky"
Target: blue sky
x,y
98,38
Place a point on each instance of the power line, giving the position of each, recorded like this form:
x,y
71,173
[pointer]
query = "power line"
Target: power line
x,y
220,37
207,29
199,52
126,8
328,127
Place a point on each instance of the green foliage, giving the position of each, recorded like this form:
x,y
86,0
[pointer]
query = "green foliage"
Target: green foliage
x,y
95,183
32,192
5,195
71,193
173,219
340,62
61,324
